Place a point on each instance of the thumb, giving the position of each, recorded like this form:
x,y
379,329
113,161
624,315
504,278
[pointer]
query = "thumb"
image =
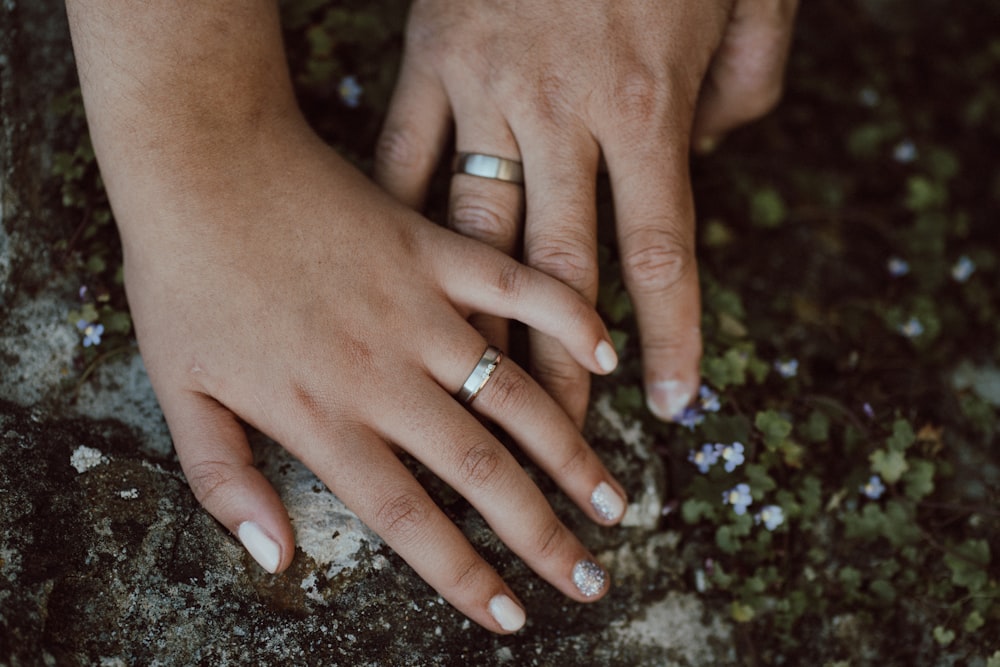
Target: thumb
x,y
218,464
746,77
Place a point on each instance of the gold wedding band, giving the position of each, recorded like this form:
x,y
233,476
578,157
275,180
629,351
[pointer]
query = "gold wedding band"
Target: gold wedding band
x,y
488,166
480,375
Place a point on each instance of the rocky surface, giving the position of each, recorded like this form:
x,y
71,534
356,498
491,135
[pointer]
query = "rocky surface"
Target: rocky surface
x,y
107,559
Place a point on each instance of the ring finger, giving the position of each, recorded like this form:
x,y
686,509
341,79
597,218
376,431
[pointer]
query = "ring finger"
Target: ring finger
x,y
507,395
485,208
470,460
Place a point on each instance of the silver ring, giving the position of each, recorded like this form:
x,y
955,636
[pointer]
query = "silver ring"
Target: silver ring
x,y
480,375
488,166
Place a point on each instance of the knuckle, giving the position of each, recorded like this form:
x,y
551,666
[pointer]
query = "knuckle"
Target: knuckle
x,y
639,96
549,539
557,375
468,574
401,517
396,149
511,280
575,460
507,391
571,263
208,479
485,219
480,464
658,259
551,99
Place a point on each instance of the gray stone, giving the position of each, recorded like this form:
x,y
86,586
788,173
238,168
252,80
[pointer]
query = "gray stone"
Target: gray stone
x,y
106,558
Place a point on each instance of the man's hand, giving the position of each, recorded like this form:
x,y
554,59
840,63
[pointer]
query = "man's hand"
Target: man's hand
x,y
561,85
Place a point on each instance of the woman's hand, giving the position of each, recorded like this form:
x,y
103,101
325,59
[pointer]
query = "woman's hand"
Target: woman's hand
x,y
272,283
559,85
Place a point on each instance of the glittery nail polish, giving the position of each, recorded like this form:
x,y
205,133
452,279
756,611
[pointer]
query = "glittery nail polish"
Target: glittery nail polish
x,y
589,577
606,502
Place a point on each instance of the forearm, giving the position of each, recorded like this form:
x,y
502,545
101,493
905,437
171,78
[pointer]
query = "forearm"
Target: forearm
x,y
173,88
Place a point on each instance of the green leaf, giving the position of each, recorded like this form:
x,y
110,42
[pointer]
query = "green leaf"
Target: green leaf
x,y
760,482
726,540
900,526
773,427
902,436
968,564
890,465
742,613
974,621
850,578
811,494
919,479
694,510
816,428
115,321
993,660
922,194
767,208
943,636
883,591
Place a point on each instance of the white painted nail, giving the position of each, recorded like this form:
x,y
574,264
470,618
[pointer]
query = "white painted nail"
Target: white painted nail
x,y
606,357
507,613
263,549
667,399
606,502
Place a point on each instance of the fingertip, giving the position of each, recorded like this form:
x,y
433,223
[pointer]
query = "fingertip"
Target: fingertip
x,y
606,357
507,613
590,579
264,548
667,399
608,502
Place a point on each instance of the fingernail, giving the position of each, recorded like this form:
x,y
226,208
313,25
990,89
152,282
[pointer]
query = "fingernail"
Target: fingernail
x,y
606,357
263,549
589,577
507,613
606,502
667,399
706,145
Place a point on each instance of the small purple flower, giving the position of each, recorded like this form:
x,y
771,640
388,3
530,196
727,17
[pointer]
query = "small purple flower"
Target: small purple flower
x,y
704,458
690,418
873,488
905,152
772,516
911,328
868,410
708,400
787,368
963,268
897,267
92,332
83,292
350,91
731,454
739,497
